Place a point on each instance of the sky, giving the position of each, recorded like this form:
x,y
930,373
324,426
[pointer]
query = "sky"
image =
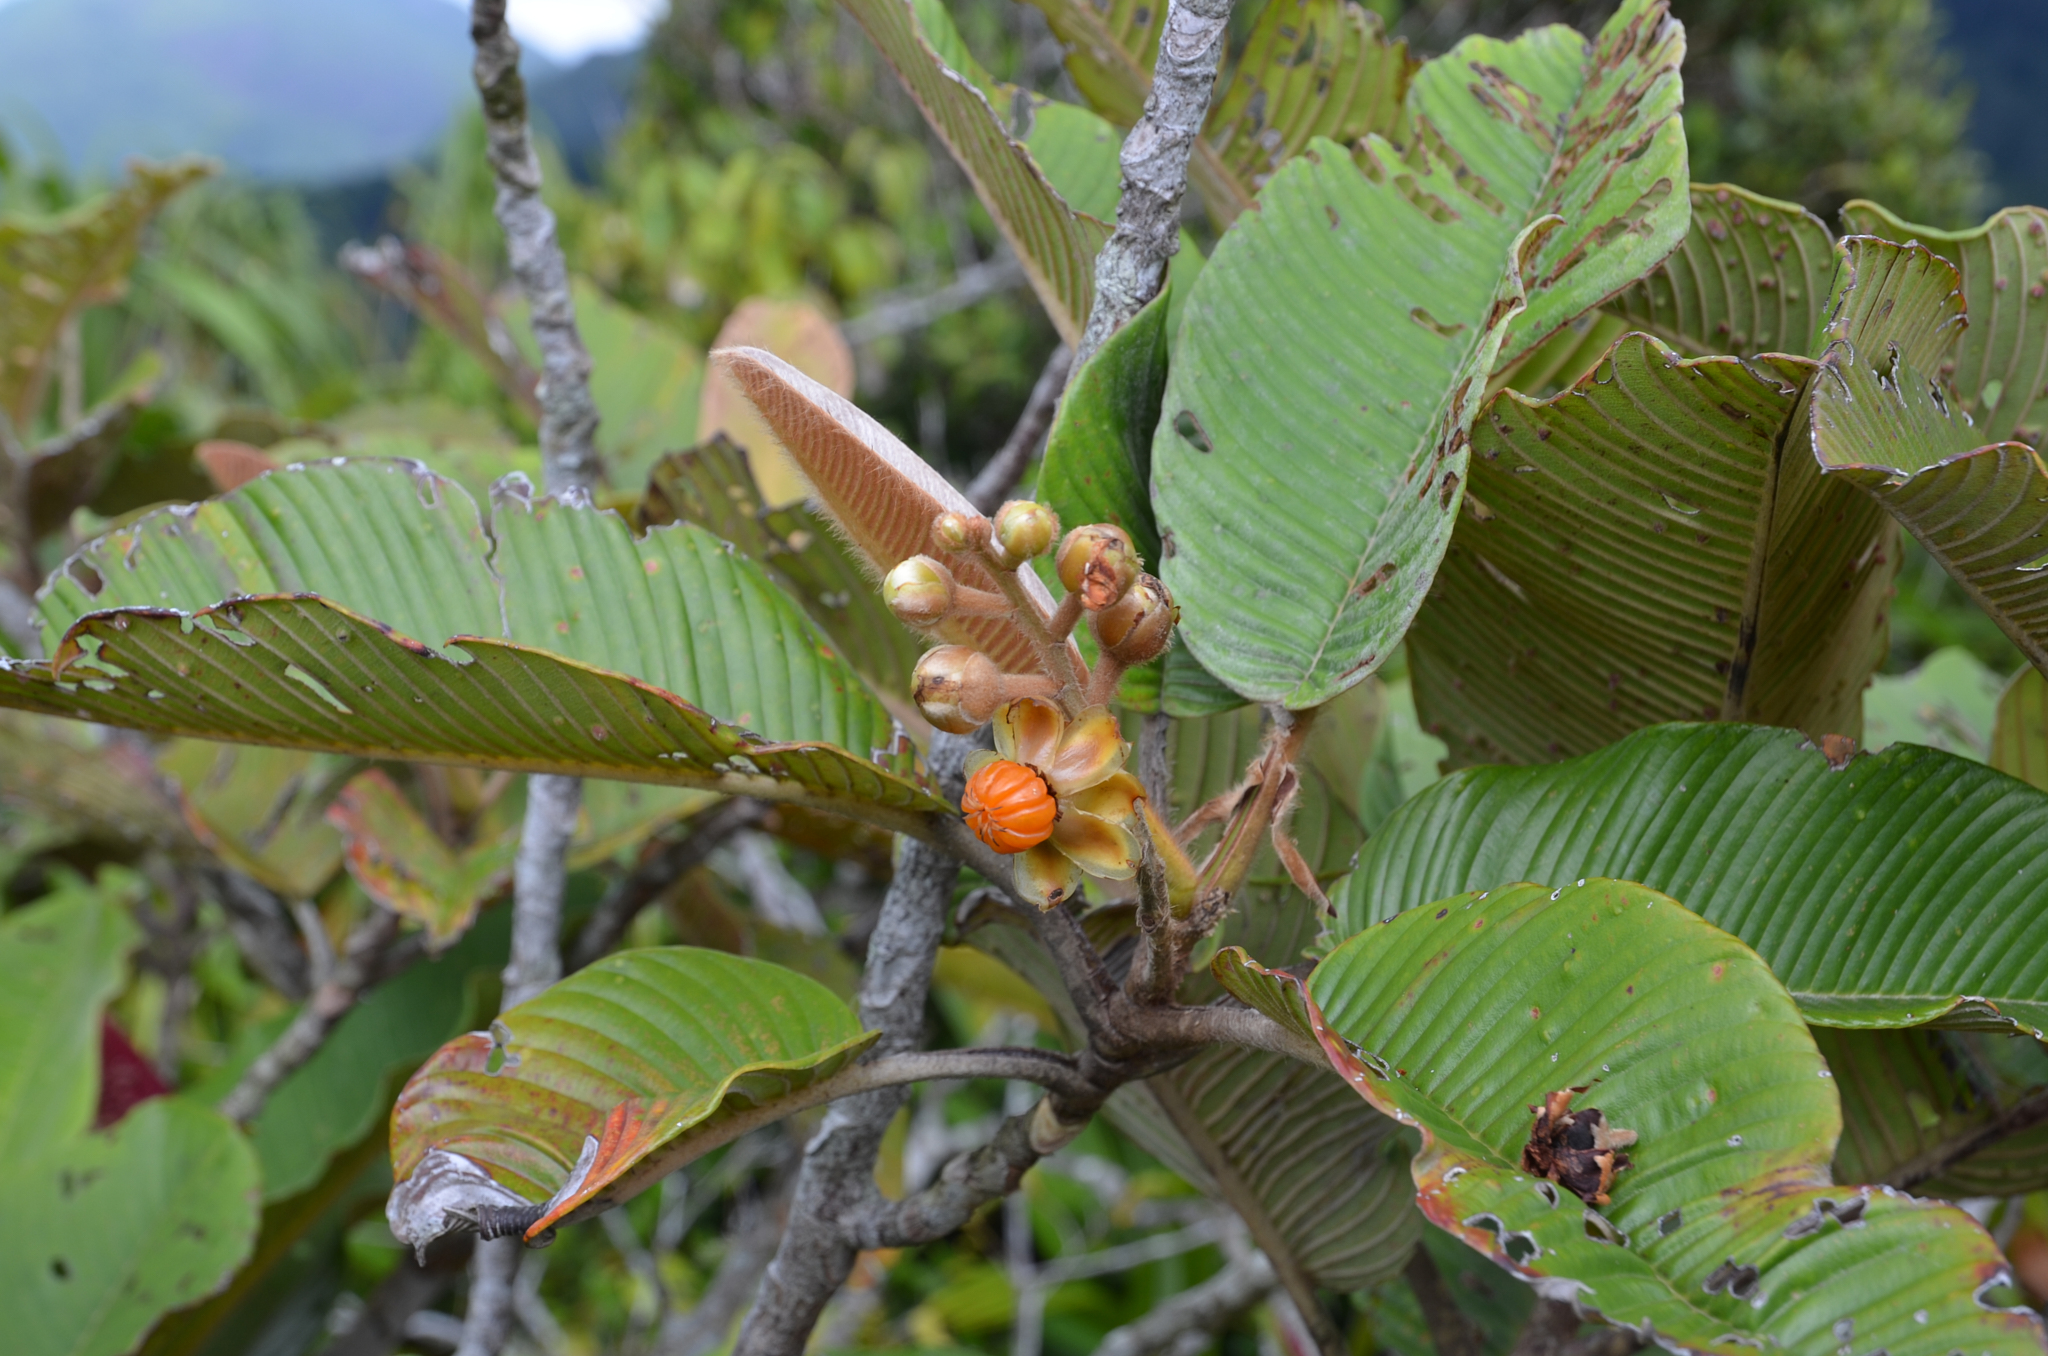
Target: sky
x,y
567,30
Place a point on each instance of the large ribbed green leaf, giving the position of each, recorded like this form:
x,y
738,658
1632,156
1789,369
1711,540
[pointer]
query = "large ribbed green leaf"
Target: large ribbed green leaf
x,y
1878,420
2001,361
1656,543
1334,351
1902,889
116,1227
1751,277
1929,1110
711,485
579,648
1724,1234
51,268
1310,68
1055,244
1637,549
649,1053
1098,456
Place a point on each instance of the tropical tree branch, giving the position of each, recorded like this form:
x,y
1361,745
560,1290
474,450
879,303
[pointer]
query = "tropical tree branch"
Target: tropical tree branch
x,y
569,467
815,1255
1201,1309
1132,265
355,970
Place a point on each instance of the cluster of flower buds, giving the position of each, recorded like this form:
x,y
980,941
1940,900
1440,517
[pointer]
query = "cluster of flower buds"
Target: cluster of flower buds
x,y
958,687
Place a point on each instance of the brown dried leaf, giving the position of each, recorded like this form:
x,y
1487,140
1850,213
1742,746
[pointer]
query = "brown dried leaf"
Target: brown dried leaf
x,y
881,494
1578,1150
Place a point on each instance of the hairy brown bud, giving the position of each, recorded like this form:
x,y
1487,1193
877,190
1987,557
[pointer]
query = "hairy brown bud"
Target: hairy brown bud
x,y
957,532
1138,625
919,591
1023,530
958,689
1099,562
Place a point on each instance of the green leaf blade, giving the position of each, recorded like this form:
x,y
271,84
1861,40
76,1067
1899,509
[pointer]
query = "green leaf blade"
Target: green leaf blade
x,y
678,1039
1935,862
1310,456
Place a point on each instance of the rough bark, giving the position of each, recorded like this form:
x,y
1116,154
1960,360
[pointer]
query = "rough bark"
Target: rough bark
x,y
1132,265
838,1170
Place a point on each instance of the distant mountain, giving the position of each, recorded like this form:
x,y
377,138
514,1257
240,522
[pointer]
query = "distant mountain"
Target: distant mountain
x,y
306,91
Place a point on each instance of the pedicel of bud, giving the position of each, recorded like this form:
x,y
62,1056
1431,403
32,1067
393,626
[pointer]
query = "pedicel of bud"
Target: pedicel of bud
x,y
957,532
1138,625
1023,531
1099,562
919,591
957,688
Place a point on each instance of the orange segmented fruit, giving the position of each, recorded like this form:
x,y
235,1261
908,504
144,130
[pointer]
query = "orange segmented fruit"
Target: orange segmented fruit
x,y
1008,806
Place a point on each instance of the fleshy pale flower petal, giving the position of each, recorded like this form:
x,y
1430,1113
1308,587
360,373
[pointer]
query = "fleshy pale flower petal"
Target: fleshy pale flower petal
x,y
1091,749
1046,877
1097,846
1029,731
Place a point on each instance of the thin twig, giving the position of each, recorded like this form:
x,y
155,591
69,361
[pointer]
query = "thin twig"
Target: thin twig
x,y
1202,1309
355,970
673,858
1132,265
993,483
815,1256
751,1235
569,467
903,312
2031,1110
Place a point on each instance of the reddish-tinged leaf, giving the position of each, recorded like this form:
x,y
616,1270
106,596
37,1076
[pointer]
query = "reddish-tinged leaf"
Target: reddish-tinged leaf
x,y
404,865
125,1076
651,1054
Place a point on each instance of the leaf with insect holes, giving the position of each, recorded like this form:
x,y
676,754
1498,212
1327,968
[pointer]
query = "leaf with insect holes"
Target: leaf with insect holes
x,y
1055,244
1724,1233
881,494
1750,277
1656,543
1309,463
49,269
1895,891
149,1215
1879,419
655,1054
2000,374
576,647
2019,737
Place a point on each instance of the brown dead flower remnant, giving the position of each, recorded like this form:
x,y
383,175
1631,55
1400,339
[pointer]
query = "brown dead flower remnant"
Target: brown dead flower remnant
x,y
1578,1150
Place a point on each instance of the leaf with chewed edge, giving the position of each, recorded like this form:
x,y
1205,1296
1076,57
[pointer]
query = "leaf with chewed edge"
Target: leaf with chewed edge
x,y
1308,467
577,647
651,1053
1724,1233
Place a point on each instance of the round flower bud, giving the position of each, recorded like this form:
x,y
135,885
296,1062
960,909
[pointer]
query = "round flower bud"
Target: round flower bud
x,y
1099,562
1138,625
1023,530
958,689
919,591
954,532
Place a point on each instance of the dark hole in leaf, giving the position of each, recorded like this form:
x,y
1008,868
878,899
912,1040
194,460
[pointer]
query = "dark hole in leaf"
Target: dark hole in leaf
x,y
60,1268
1825,1209
1519,1246
1845,1329
1668,1224
87,577
502,1056
1601,1229
1730,1278
1190,428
